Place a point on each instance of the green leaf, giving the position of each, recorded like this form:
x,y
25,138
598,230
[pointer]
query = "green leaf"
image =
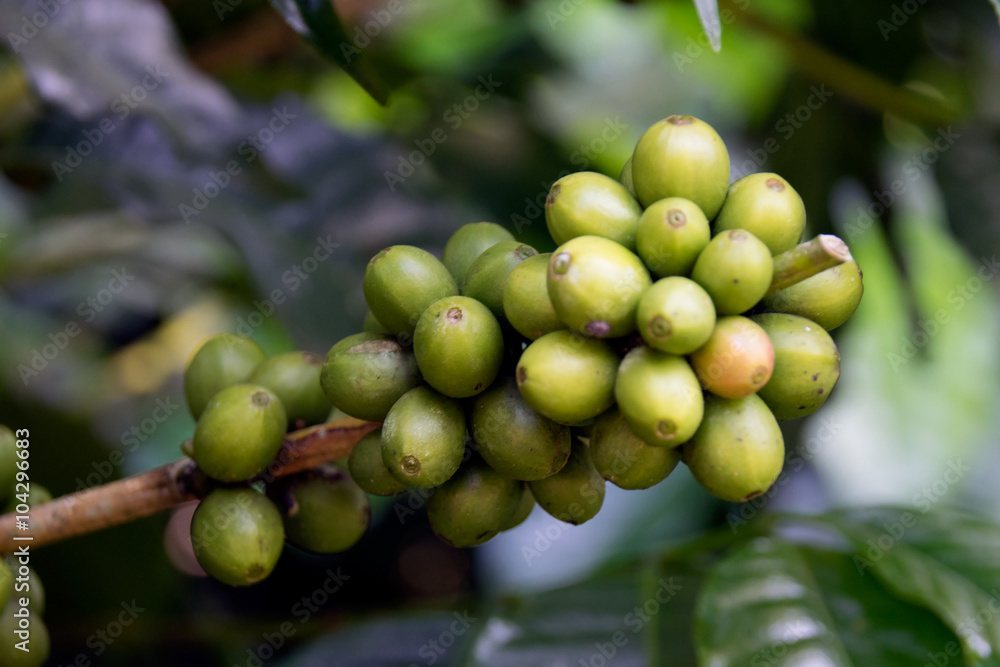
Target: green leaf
x,y
761,606
317,21
708,12
917,572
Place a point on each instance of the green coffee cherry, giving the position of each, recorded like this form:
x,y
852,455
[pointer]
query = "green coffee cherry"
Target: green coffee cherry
x,y
371,325
220,361
806,365
681,156
10,655
327,511
473,506
423,438
829,298
6,583
239,432
766,206
8,462
735,269
626,177
659,396
526,301
294,378
365,374
623,458
368,469
595,285
468,243
671,234
459,346
488,275
400,282
738,452
676,315
591,204
237,535
737,360
512,438
566,377
526,504
575,493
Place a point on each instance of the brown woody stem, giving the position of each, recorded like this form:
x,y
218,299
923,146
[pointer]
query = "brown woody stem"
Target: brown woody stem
x,y
806,260
161,488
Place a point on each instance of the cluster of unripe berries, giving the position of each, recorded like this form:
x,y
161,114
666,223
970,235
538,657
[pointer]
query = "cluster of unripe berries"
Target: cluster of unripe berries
x,y
22,597
655,333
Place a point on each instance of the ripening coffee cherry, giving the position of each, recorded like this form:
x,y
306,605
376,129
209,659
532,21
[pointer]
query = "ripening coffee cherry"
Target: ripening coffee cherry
x,y
526,301
806,365
737,360
365,374
8,462
327,512
626,177
237,535
681,156
459,346
590,204
473,506
488,275
40,644
829,298
524,507
735,268
659,396
622,458
595,285
400,282
294,378
423,438
512,438
220,361
567,377
368,469
575,493
676,315
239,433
738,452
468,243
672,233
766,206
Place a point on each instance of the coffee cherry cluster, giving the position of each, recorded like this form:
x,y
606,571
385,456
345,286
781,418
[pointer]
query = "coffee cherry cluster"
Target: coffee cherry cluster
x,y
22,597
657,332
245,402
